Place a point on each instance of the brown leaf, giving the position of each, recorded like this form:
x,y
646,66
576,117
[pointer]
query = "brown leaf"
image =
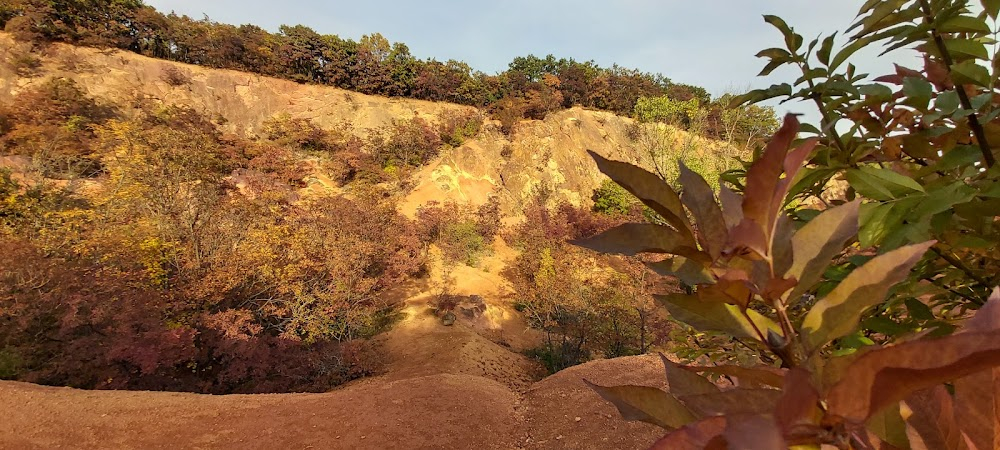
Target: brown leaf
x,y
816,244
766,189
632,238
699,199
763,176
695,436
750,377
781,245
649,189
689,271
884,376
732,401
838,313
732,206
799,402
794,161
977,407
756,432
646,404
684,382
932,424
732,288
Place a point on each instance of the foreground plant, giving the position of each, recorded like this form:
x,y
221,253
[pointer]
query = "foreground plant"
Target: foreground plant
x,y
751,271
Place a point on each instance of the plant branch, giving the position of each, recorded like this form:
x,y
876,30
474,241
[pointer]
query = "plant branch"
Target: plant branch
x,y
955,291
825,122
977,128
760,335
954,261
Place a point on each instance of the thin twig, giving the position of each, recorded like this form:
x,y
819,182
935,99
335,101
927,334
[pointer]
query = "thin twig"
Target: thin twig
x,y
954,291
954,261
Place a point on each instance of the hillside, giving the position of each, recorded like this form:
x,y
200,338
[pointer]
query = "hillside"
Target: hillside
x,y
550,151
464,386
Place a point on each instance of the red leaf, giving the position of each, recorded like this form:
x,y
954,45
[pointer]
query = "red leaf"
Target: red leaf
x,y
766,189
733,401
752,377
932,422
884,376
799,404
764,175
977,408
694,436
683,382
753,433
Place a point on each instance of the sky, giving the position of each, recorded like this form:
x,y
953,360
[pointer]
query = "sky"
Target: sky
x,y
709,43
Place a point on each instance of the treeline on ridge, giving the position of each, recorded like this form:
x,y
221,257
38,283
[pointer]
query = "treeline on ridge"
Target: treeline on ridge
x,y
530,88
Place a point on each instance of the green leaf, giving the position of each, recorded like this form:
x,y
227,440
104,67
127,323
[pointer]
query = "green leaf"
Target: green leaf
x,y
968,72
918,310
816,244
778,23
964,24
876,91
918,92
774,53
650,190
714,316
839,312
646,404
992,7
632,238
875,222
825,48
699,199
773,64
847,51
881,184
962,49
960,156
880,15
810,177
947,102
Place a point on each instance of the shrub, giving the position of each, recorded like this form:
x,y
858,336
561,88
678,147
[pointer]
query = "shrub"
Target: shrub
x,y
455,127
175,77
405,144
610,198
667,110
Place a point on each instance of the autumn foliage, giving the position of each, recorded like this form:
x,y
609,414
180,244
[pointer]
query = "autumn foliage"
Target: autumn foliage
x,y
189,260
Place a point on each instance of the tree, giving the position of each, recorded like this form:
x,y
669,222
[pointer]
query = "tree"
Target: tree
x,y
750,268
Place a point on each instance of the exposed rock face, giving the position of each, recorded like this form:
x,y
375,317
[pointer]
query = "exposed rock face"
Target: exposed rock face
x,y
550,152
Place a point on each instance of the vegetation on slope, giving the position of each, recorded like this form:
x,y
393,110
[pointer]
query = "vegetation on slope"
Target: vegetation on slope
x,y
530,88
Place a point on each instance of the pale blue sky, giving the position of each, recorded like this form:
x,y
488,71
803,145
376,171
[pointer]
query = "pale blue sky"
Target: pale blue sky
x,y
710,43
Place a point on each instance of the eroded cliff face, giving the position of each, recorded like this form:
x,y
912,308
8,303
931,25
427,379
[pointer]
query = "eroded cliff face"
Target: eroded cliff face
x,y
549,153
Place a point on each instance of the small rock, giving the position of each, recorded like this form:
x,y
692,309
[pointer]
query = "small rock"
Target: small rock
x,y
577,419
